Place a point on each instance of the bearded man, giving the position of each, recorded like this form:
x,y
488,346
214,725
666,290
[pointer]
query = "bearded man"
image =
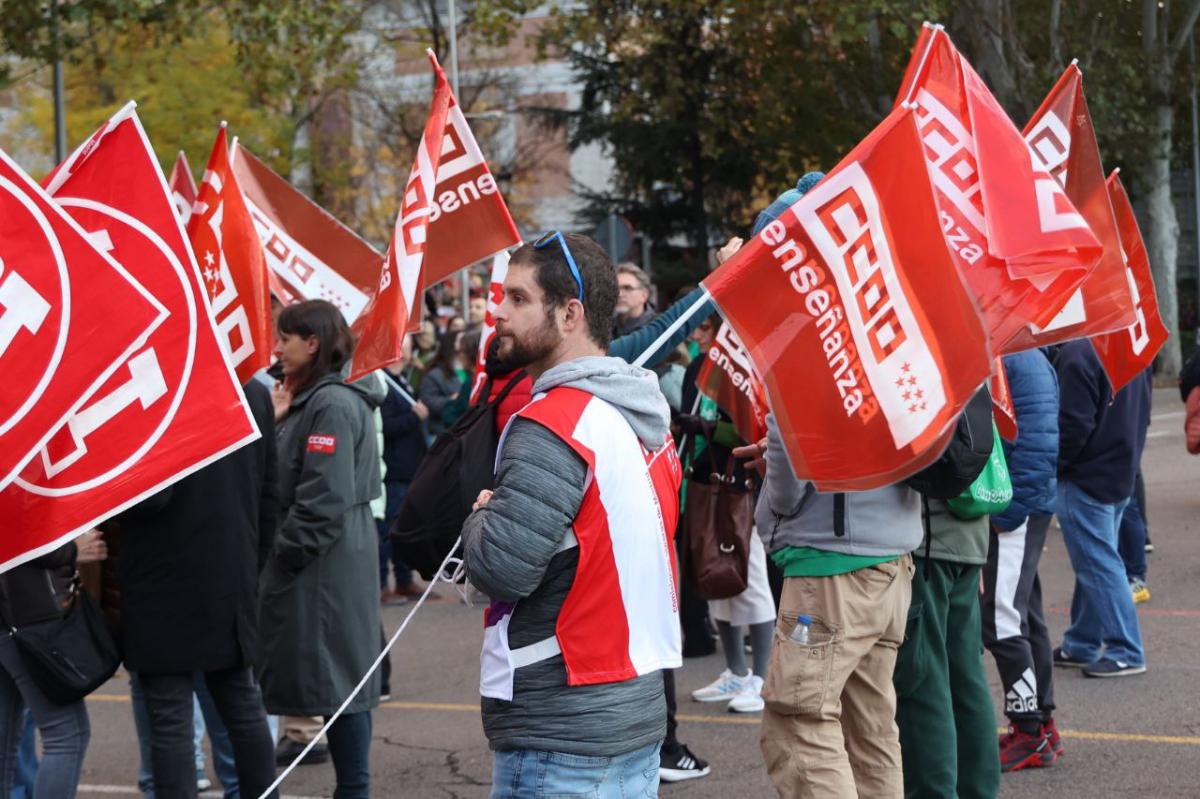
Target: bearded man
x,y
574,543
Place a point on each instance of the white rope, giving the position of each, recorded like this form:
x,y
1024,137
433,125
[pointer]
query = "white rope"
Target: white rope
x,y
670,331
440,576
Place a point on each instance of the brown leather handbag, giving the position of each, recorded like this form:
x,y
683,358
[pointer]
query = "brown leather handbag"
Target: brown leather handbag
x,y
718,521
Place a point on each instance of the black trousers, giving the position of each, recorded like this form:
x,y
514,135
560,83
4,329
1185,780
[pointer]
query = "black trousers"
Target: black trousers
x,y
238,700
1014,626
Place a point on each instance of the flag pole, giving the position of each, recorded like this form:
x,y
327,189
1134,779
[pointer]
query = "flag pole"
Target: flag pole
x,y
670,331
391,381
60,101
466,275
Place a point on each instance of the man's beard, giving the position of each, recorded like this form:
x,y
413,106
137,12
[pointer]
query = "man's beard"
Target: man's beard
x,y
518,353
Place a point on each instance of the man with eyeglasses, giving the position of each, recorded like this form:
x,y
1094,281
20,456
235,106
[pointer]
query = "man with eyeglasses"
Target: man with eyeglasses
x,y
573,544
633,296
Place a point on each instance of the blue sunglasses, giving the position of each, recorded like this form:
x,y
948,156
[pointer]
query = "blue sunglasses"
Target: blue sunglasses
x,y
556,235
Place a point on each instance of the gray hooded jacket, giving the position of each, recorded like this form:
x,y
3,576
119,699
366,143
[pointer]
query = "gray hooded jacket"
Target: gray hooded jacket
x,y
792,513
511,554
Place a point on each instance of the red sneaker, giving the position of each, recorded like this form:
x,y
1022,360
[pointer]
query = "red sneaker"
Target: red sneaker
x,y
1020,750
1050,729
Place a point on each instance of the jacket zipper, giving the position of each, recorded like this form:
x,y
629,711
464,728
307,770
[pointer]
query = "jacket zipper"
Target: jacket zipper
x,y
839,515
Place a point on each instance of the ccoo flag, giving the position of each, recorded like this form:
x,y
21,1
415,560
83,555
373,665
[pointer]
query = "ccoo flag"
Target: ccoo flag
x,y
381,326
231,261
488,332
1126,353
1061,135
856,318
1004,217
183,188
727,377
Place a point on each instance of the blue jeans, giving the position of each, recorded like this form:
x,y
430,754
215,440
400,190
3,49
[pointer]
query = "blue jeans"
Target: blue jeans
x,y
1103,620
64,729
531,774
27,763
350,749
1132,536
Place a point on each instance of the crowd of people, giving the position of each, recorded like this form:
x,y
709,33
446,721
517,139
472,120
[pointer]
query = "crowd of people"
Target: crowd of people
x,y
250,592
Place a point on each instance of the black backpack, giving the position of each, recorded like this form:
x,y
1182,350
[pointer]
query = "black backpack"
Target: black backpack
x,y
459,465
964,457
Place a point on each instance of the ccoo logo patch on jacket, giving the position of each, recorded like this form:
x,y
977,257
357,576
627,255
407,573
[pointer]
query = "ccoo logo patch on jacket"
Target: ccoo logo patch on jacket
x,y
319,442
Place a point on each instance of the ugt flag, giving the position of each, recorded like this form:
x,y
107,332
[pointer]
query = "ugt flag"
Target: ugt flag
x,y
1004,217
1126,353
69,317
173,405
310,254
1061,135
183,188
727,377
856,318
232,264
381,327
495,297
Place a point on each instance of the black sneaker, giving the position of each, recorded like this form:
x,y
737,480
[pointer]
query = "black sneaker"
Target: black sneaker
x,y
677,764
1061,658
288,750
1107,667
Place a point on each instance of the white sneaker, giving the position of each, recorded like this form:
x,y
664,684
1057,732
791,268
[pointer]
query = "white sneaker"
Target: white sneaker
x,y
722,689
749,699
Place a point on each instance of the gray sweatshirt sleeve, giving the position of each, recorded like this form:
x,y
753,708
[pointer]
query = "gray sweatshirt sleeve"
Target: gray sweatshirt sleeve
x,y
508,543
784,491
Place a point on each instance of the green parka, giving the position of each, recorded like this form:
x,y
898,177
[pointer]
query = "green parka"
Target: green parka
x,y
319,592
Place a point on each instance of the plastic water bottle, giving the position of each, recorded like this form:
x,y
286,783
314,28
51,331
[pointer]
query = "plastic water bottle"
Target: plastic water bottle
x,y
800,632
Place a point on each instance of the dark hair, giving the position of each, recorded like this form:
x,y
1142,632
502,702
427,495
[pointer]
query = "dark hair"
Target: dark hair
x,y
558,285
335,342
468,344
443,357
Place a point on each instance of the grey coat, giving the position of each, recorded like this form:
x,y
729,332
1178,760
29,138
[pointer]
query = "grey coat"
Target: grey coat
x,y
319,593
511,553
792,513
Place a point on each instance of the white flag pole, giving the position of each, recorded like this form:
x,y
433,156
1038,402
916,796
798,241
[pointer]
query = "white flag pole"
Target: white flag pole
x,y
674,326
391,381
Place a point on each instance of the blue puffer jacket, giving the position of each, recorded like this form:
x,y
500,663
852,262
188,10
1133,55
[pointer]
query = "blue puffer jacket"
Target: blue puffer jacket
x,y
1033,458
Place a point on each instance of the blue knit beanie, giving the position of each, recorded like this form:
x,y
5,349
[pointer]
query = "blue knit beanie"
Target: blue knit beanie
x,y
786,201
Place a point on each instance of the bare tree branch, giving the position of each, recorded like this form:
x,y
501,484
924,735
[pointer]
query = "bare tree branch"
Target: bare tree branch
x,y
1190,15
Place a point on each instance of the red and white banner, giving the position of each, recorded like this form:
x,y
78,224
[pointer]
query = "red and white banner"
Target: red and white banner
x,y
173,405
69,317
1003,215
728,379
1126,353
1002,405
183,188
381,326
1061,135
311,254
231,261
467,198
495,297
857,319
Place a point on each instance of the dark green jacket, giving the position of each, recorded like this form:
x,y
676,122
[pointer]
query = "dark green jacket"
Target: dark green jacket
x,y
319,593
955,540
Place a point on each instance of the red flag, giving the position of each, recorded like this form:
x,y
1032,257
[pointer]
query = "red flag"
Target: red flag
x,y
1003,215
310,253
231,260
1002,404
467,198
1061,134
495,297
69,317
728,379
174,404
381,327
1126,353
183,187
856,318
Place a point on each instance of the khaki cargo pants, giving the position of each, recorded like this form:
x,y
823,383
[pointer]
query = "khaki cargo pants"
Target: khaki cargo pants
x,y
829,727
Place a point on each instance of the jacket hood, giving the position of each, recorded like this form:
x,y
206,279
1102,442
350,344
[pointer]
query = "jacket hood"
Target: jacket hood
x,y
369,388
630,389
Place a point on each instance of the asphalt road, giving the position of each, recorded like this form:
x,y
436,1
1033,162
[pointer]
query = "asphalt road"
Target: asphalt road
x,y
1133,737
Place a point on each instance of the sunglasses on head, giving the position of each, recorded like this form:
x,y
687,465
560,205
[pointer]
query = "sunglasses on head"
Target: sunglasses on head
x,y
556,235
